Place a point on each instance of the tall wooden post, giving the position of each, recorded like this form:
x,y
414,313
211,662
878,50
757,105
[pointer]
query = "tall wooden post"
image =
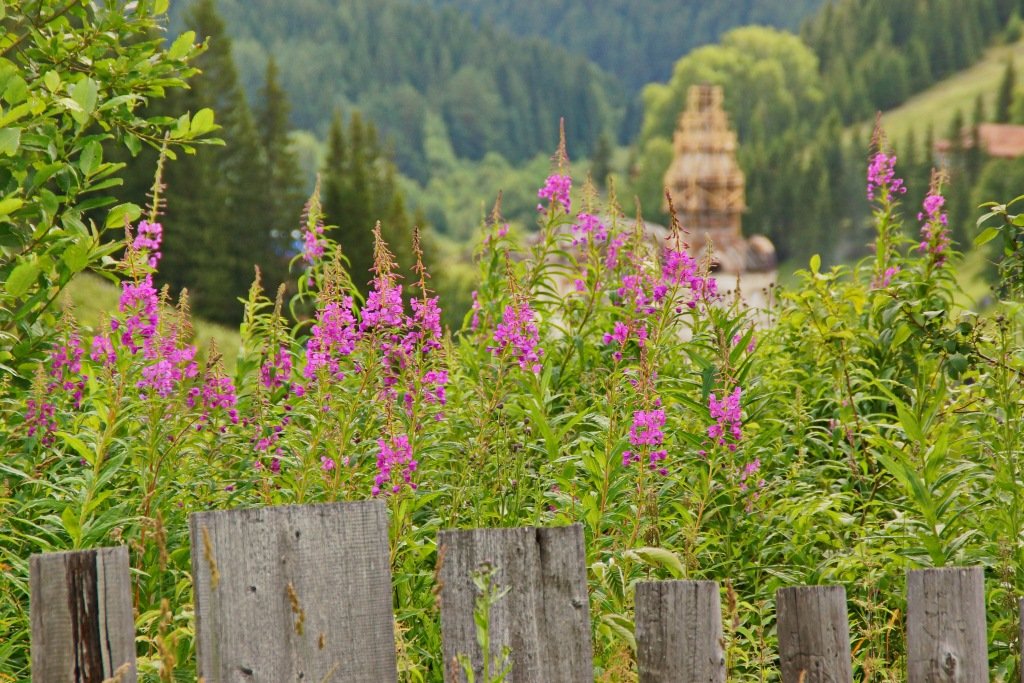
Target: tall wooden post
x,y
296,593
679,632
544,618
814,635
83,630
946,638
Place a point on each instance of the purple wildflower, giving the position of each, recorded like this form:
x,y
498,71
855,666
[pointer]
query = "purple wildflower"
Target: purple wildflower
x,y
333,336
646,433
149,237
556,189
882,177
935,238
728,420
519,331
395,465
277,369
588,229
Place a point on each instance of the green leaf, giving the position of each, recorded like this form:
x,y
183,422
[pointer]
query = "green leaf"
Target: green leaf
x,y
986,235
22,278
659,557
76,257
52,81
84,93
16,90
815,263
202,122
9,205
122,214
10,140
160,7
92,156
181,45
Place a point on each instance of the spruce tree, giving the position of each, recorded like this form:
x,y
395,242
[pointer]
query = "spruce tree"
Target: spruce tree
x,y
1004,97
287,194
218,229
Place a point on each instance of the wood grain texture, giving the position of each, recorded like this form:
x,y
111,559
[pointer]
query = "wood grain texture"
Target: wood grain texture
x,y
294,593
814,635
946,639
679,632
545,617
83,629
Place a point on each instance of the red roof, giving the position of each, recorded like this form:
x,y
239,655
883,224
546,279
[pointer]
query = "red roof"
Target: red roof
x,y
1003,140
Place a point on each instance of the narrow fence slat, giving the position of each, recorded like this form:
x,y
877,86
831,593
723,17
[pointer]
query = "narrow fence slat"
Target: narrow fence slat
x,y
83,629
946,638
679,632
294,593
544,618
814,634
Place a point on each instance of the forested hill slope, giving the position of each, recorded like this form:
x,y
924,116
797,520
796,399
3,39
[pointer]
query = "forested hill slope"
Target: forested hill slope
x,y
411,68
637,40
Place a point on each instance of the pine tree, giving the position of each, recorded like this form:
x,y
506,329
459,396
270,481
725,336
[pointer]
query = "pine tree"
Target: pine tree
x,y
1004,97
286,194
217,225
359,189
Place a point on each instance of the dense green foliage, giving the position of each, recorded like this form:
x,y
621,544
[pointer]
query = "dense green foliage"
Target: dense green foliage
x,y
636,40
74,78
399,61
875,53
864,426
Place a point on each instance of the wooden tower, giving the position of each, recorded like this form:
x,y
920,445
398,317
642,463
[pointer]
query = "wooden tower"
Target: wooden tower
x,y
707,186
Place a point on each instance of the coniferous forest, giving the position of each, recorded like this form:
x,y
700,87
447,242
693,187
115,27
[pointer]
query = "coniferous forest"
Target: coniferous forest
x,y
435,243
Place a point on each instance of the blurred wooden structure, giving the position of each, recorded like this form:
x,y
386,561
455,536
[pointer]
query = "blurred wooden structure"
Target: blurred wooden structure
x,y
708,188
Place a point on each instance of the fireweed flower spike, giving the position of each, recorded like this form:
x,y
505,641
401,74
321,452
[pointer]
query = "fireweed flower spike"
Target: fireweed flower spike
x,y
882,177
935,238
518,331
728,427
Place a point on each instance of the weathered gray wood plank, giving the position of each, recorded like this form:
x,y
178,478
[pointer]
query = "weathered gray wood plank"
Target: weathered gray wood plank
x,y
295,593
946,639
544,618
679,632
814,634
83,630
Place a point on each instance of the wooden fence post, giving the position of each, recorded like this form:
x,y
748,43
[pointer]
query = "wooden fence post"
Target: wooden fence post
x,y
83,629
814,634
946,638
679,632
1020,638
544,619
295,593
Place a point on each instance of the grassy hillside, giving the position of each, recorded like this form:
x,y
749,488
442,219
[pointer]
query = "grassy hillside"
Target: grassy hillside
x,y
937,105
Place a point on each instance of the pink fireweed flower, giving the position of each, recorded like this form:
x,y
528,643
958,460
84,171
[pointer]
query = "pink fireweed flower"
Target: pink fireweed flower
x,y
646,434
728,419
313,242
425,331
588,228
935,238
149,238
326,464
886,277
40,419
882,177
334,336
102,351
65,368
169,367
519,331
474,322
556,190
139,301
611,257
395,465
383,309
276,370
219,394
